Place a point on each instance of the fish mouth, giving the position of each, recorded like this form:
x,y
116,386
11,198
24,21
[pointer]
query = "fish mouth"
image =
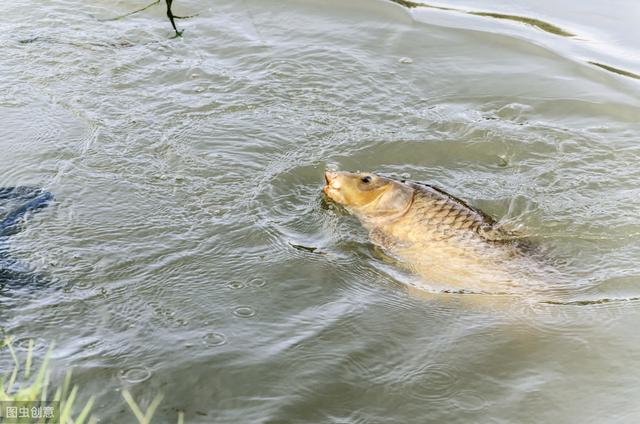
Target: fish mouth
x,y
332,185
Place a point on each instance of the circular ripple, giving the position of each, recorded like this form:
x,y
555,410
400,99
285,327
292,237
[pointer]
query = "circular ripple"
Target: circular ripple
x,y
244,311
84,285
135,375
214,339
23,343
469,401
566,320
433,382
235,285
257,282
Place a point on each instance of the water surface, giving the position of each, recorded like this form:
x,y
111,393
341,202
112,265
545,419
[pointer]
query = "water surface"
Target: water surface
x,y
195,256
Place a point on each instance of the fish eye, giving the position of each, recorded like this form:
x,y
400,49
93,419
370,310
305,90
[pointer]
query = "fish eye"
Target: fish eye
x,y
366,179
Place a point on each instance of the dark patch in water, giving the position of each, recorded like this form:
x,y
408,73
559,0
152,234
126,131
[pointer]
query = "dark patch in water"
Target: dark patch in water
x,y
115,44
307,249
17,203
28,40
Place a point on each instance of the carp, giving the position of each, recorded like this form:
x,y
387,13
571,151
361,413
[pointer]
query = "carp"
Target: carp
x,y
449,244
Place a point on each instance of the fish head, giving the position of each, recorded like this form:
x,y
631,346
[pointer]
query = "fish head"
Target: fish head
x,y
367,194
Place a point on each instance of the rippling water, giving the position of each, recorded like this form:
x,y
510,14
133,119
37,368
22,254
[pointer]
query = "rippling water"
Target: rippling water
x,y
193,254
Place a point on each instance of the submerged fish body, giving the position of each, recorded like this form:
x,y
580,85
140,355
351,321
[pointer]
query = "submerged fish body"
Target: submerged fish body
x,y
29,199
452,245
15,204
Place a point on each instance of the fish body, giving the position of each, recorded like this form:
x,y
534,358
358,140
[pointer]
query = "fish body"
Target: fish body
x,y
16,203
452,245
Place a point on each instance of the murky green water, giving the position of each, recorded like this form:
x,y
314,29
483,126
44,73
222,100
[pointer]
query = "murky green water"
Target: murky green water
x,y
197,255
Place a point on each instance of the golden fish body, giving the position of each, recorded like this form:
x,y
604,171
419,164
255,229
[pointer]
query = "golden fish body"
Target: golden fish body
x,y
450,244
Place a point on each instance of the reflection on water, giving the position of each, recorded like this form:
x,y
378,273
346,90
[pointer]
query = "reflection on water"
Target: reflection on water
x,y
198,258
545,26
616,70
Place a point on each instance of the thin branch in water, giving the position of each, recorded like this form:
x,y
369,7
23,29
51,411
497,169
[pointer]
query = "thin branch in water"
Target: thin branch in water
x,y
171,18
130,13
170,15
186,17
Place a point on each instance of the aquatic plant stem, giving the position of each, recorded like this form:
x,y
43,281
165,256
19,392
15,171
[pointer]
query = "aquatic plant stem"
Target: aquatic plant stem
x,y
131,13
170,15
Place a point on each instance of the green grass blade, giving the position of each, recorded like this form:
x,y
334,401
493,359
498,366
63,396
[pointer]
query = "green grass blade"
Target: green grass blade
x,y
66,384
45,386
152,408
134,406
16,368
27,366
67,405
85,411
3,395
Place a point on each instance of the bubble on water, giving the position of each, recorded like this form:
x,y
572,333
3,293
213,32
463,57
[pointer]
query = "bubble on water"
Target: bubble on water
x,y
244,312
199,89
405,60
235,285
135,374
214,339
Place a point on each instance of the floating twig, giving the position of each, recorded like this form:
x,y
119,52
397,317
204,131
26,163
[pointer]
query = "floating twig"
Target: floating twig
x,y
170,15
131,13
